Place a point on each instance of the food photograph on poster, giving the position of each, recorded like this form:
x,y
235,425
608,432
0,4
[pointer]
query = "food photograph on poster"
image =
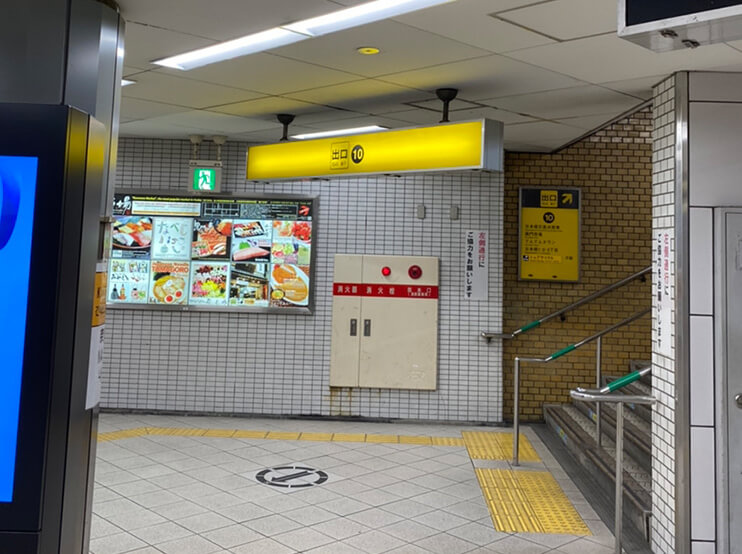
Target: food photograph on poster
x,y
211,252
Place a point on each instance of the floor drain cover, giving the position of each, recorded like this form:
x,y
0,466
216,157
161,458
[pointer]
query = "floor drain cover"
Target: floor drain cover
x,y
291,477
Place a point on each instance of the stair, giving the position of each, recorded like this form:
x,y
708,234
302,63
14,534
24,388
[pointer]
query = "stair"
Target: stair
x,y
575,426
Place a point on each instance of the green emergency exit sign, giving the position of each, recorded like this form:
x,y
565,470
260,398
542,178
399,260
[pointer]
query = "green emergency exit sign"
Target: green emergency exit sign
x,y
204,178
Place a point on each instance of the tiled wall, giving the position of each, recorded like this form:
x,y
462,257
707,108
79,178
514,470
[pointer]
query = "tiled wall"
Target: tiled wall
x,y
279,364
663,367
613,170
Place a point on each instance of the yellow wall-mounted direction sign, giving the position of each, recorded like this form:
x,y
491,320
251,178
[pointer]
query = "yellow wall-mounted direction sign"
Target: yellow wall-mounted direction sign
x,y
468,145
549,235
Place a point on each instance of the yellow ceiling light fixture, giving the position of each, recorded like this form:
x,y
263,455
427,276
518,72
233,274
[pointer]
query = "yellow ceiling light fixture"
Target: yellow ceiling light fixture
x,y
367,50
361,14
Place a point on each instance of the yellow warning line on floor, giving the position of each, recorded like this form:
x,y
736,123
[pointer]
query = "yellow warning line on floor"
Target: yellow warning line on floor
x,y
498,446
279,435
529,502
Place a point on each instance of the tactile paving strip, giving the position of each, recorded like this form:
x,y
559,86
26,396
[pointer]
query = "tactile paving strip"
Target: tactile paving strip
x,y
529,502
497,446
280,435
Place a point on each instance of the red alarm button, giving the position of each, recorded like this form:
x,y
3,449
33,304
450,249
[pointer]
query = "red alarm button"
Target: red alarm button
x,y
386,271
415,272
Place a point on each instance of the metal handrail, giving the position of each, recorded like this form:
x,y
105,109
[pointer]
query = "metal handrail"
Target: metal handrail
x,y
589,298
554,356
598,396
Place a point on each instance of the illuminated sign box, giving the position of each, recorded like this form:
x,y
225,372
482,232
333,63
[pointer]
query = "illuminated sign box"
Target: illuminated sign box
x,y
449,146
206,176
663,25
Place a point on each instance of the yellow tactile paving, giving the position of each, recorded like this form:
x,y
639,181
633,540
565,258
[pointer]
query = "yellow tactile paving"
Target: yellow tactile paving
x,y
349,437
529,502
324,437
497,446
280,435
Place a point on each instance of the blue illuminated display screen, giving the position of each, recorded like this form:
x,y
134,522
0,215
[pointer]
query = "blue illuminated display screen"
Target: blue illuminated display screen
x,y
17,198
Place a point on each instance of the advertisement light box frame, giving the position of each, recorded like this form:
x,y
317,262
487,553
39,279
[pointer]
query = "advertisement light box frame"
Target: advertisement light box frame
x,y
187,213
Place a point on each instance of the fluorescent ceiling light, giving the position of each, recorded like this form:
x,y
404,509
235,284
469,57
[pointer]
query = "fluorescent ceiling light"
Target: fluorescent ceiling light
x,y
301,30
359,15
339,132
250,44
126,82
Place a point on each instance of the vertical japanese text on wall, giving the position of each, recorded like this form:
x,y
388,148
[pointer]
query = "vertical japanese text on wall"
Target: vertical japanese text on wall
x,y
476,273
663,300
549,234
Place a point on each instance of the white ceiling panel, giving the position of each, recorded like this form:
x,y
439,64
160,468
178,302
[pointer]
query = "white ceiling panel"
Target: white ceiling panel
x,y
328,118
160,87
266,73
588,122
402,48
267,107
269,136
223,19
215,123
468,22
578,101
366,96
488,77
539,135
641,88
133,109
609,58
144,43
567,19
427,117
156,129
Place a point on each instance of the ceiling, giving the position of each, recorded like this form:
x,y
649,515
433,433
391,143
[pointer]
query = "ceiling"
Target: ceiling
x,y
550,70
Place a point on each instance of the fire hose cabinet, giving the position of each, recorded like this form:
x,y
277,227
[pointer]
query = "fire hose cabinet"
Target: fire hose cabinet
x,y
385,322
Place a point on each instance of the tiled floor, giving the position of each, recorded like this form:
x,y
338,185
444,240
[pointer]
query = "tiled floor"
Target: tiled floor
x,y
199,495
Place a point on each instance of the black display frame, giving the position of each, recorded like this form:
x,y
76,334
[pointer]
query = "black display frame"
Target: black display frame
x,y
205,196
640,12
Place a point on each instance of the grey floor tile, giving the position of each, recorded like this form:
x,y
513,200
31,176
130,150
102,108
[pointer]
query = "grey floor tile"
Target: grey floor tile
x,y
344,506
116,544
207,521
407,508
310,515
335,548
155,498
303,539
100,527
473,511
341,528
440,520
178,510
516,545
135,519
263,546
375,518
478,534
233,535
243,512
162,532
409,531
273,525
444,543
374,542
189,545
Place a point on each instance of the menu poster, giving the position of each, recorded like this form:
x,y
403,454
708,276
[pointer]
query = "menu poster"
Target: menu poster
x,y
289,286
209,283
291,242
172,238
251,240
131,237
128,281
169,283
248,285
211,239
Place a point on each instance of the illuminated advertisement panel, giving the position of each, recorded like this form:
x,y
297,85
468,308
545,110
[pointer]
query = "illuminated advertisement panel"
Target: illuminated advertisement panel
x,y
217,253
17,196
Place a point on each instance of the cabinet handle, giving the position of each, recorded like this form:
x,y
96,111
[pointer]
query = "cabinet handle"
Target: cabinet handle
x,y
353,327
366,327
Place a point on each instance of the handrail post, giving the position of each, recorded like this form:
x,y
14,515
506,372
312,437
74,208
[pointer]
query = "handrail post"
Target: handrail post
x,y
619,477
598,384
516,411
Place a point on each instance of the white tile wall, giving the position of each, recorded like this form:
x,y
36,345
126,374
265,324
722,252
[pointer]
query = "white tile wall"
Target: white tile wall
x,y
663,367
702,484
279,364
703,548
702,370
701,263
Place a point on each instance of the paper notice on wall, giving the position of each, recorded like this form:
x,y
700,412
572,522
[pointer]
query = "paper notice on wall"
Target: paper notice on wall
x,y
92,397
664,269
476,274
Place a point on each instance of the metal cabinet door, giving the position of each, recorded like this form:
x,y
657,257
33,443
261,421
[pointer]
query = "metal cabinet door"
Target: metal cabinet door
x,y
346,324
399,343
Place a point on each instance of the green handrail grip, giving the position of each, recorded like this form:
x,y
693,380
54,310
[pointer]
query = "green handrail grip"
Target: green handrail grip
x,y
623,381
562,352
529,326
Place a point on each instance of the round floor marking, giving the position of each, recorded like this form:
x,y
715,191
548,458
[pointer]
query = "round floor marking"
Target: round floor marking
x,y
291,477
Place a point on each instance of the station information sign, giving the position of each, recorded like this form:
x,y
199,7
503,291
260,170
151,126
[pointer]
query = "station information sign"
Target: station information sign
x,y
17,199
216,252
549,234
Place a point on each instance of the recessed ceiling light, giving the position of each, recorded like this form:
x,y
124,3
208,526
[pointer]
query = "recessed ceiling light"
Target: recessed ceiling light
x,y
127,82
340,132
294,32
368,50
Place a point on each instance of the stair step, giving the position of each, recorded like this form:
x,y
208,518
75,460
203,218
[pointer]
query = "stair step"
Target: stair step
x,y
577,432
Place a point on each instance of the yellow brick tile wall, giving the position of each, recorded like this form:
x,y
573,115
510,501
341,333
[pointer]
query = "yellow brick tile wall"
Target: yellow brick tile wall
x,y
613,168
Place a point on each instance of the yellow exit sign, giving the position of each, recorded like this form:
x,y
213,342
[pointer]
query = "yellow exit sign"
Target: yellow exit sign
x,y
450,146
